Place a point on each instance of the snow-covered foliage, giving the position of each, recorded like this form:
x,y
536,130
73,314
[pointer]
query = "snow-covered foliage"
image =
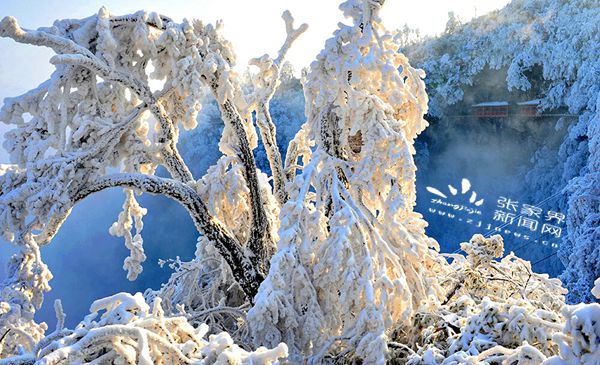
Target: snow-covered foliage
x,y
97,124
551,48
500,312
518,37
580,340
596,290
129,331
581,249
323,261
493,311
353,255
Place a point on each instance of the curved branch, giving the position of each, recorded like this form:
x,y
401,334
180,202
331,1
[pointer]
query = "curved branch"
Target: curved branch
x,y
242,268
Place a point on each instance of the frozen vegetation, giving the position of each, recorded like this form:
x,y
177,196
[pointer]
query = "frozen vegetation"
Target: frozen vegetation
x,y
322,260
548,49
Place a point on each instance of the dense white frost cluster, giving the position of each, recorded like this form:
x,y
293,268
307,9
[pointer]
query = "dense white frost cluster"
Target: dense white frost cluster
x,y
352,256
130,332
324,261
493,311
580,341
596,290
500,312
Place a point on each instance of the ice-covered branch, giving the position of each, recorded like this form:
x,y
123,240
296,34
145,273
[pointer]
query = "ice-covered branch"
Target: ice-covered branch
x,y
71,53
10,28
259,230
266,83
234,254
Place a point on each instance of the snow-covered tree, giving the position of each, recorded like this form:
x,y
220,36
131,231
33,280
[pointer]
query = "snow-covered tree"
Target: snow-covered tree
x,y
97,124
582,247
352,259
323,261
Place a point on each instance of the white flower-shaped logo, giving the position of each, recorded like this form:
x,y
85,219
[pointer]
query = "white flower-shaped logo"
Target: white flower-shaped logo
x,y
465,188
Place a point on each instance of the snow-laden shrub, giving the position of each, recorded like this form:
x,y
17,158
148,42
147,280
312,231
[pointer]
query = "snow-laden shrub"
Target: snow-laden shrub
x,y
19,332
580,340
493,311
123,329
522,320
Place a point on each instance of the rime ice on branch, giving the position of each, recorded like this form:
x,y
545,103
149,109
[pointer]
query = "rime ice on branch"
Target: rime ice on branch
x,y
352,253
331,260
96,124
